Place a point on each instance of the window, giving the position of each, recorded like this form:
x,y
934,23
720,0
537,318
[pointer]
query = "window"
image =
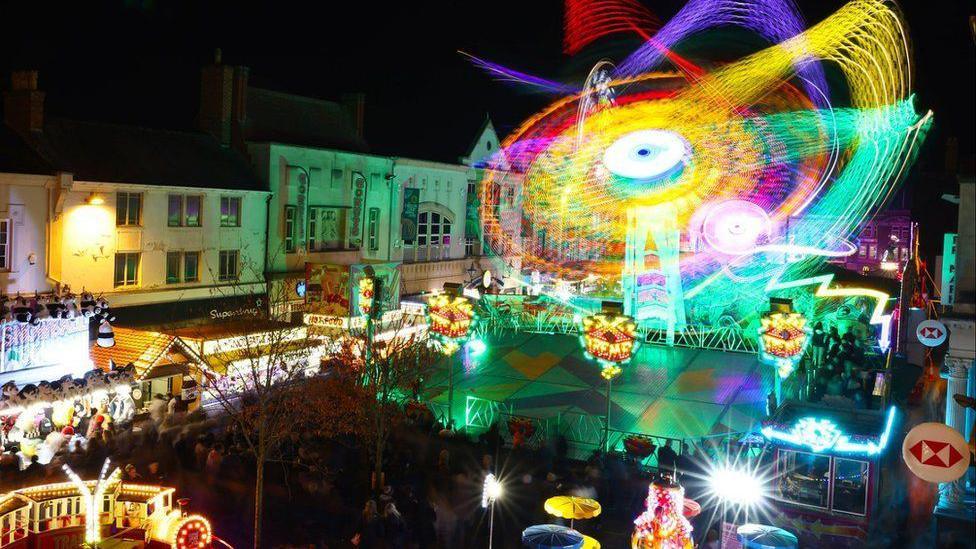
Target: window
x,y
230,211
290,229
191,266
228,265
850,485
433,236
374,229
128,209
184,210
5,235
804,478
510,197
470,245
173,260
313,217
174,216
127,269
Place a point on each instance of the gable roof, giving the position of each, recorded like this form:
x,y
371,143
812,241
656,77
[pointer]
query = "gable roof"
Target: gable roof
x,y
98,151
143,348
279,117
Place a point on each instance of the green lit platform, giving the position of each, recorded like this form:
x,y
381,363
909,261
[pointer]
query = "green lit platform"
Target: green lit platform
x,y
667,392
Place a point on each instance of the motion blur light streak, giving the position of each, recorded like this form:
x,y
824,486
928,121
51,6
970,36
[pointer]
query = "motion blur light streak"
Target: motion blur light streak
x,y
706,190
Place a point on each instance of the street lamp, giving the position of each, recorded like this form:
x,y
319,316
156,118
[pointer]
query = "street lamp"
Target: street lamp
x,y
450,316
609,338
736,486
491,491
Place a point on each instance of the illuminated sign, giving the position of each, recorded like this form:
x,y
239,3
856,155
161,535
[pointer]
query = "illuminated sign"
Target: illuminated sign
x,y
822,435
192,532
782,339
367,291
948,288
609,339
450,316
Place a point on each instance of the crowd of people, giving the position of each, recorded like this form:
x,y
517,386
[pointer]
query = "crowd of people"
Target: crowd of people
x,y
838,369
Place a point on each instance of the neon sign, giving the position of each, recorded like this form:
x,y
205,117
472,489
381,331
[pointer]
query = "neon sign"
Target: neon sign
x,y
450,317
822,435
782,339
609,339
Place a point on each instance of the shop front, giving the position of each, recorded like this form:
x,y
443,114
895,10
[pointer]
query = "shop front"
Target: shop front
x,y
163,365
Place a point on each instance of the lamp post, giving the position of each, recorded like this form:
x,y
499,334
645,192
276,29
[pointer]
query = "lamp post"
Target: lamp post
x,y
450,316
610,339
491,491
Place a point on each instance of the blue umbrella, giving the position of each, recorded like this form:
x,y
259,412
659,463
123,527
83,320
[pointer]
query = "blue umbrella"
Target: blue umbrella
x,y
551,536
760,536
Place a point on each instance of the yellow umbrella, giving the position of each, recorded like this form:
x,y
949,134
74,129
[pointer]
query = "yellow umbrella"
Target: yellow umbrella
x,y
572,508
590,543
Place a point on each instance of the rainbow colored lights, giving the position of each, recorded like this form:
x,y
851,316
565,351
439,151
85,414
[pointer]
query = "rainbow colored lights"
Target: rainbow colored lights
x,y
610,339
706,184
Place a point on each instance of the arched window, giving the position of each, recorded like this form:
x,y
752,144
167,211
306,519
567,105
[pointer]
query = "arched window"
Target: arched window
x,y
434,226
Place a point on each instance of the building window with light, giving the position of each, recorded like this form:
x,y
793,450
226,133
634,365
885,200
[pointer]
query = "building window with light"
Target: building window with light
x,y
128,209
127,269
290,229
230,211
184,210
173,264
5,244
229,265
374,229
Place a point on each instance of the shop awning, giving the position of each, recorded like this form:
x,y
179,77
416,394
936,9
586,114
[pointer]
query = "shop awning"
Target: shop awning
x,y
219,362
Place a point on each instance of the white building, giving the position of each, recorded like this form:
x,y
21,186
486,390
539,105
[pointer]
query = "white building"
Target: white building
x,y
138,216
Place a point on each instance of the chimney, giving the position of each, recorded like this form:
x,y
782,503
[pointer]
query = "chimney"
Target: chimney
x,y
23,104
355,105
223,102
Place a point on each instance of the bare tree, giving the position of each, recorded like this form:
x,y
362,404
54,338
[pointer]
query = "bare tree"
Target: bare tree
x,y
256,374
390,360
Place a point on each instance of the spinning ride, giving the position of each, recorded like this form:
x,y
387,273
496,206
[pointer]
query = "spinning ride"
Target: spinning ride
x,y
696,189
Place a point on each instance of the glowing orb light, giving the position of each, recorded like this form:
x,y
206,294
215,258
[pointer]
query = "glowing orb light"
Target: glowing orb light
x,y
736,485
698,186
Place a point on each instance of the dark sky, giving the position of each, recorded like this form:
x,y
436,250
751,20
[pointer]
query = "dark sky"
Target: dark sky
x,y
138,61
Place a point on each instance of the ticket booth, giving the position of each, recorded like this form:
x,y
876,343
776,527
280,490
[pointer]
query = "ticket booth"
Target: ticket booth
x,y
828,470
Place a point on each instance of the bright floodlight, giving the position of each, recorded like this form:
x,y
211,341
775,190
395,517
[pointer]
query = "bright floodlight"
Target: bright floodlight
x,y
492,490
476,347
740,487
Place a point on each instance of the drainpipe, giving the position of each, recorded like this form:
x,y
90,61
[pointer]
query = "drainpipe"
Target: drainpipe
x,y
267,236
389,232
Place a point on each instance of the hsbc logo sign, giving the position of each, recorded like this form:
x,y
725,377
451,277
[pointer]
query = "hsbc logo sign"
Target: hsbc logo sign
x,y
931,333
935,452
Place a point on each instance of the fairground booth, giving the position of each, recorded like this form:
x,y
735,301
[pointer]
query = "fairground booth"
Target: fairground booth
x,y
829,470
56,515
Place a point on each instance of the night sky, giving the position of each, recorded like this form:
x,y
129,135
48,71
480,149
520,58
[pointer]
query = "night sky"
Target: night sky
x,y
138,61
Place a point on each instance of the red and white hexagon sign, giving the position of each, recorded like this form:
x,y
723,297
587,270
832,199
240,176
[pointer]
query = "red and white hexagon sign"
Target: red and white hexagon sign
x,y
931,333
935,452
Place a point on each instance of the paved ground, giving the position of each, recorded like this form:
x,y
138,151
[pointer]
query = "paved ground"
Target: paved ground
x,y
671,392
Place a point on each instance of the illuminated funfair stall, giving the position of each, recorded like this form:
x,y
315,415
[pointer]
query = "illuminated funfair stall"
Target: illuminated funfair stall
x,y
694,188
88,512
829,468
